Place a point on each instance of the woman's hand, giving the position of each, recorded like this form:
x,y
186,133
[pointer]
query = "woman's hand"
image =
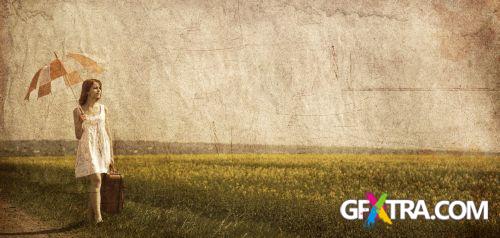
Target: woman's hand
x,y
112,166
83,117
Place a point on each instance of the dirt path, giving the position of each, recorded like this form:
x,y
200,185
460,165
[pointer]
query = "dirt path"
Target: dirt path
x,y
14,222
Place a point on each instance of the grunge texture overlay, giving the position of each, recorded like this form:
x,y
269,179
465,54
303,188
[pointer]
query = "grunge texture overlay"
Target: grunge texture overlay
x,y
381,74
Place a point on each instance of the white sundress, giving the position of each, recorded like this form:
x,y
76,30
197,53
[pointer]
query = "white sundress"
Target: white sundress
x,y
94,151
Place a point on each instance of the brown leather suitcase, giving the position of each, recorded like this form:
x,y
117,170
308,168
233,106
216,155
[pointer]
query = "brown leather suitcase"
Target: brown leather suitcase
x,y
112,193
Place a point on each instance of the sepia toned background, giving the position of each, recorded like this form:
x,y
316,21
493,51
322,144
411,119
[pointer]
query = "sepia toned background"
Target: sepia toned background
x,y
371,74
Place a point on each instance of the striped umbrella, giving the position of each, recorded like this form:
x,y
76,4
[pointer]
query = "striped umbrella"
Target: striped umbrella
x,y
69,71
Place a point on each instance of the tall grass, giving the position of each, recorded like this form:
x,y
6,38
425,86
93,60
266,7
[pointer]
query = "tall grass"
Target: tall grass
x,y
258,195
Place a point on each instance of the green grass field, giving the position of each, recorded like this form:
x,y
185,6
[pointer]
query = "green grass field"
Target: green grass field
x,y
258,195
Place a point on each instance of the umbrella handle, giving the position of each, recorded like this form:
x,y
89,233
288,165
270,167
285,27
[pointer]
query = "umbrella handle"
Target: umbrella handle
x,y
67,82
81,109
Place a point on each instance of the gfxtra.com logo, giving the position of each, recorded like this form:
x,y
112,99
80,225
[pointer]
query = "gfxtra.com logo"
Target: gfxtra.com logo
x,y
389,210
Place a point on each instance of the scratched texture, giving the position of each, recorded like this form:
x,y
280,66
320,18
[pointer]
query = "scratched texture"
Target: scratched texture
x,y
381,74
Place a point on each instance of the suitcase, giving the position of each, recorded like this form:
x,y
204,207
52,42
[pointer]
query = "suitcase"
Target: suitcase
x,y
112,193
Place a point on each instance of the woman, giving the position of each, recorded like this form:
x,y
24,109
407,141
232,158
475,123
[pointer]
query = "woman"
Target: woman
x,y
94,154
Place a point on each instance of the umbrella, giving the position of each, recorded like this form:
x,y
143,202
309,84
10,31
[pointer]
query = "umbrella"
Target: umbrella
x,y
56,69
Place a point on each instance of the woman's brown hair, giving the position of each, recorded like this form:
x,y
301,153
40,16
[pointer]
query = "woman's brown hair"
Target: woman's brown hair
x,y
87,84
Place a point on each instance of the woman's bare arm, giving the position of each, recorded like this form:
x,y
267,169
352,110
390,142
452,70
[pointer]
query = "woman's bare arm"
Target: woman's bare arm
x,y
108,130
78,123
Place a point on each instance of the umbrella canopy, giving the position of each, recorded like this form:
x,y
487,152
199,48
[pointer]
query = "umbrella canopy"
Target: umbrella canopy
x,y
70,71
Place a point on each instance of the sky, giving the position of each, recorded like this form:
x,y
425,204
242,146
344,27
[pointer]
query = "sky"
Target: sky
x,y
375,74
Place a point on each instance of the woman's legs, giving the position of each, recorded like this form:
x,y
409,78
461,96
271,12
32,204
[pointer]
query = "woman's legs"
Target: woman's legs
x,y
95,196
90,211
